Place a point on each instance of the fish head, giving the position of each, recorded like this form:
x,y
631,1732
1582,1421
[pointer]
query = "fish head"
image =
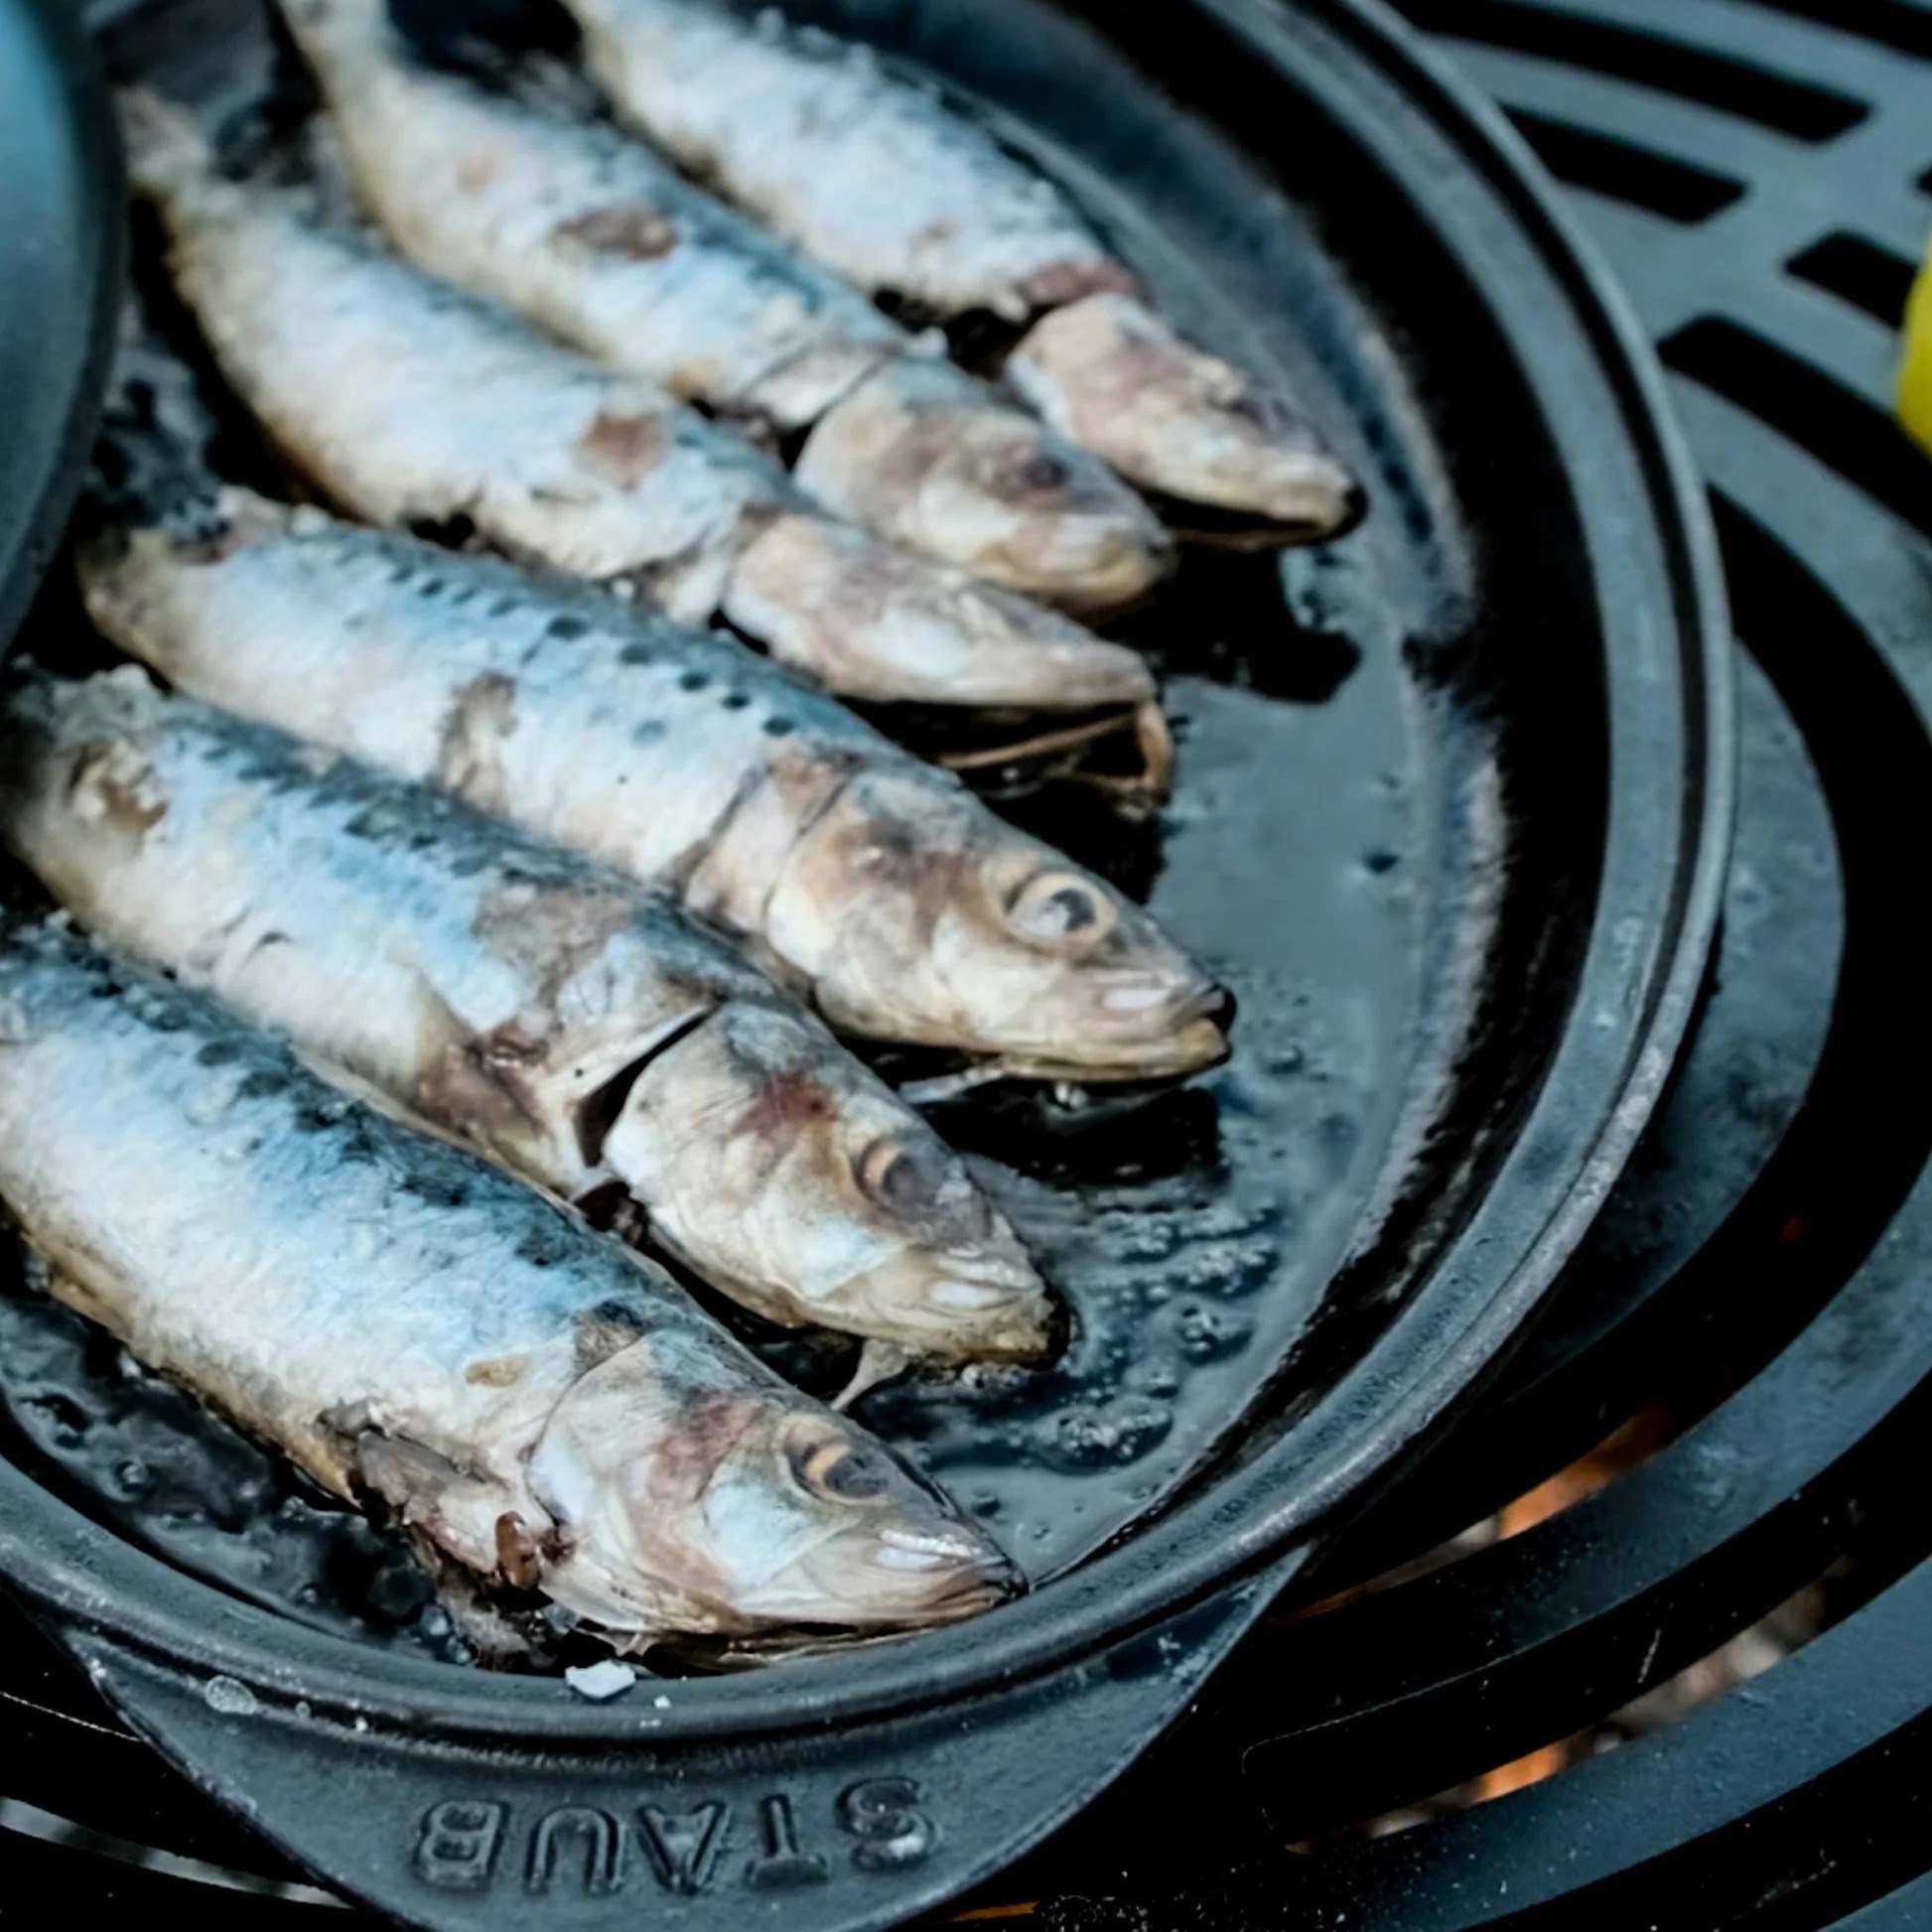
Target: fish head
x,y
871,621
918,915
1051,520
1180,421
922,451
788,1174
691,1493
819,1524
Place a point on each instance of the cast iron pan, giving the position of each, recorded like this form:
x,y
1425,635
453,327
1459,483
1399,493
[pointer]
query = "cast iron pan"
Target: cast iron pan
x,y
1453,814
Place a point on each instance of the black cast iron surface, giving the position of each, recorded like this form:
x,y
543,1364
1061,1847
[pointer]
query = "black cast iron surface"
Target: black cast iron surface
x,y
1524,489
60,278
1758,175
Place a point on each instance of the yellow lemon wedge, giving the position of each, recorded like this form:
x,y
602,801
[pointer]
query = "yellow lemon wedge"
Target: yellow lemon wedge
x,y
1916,377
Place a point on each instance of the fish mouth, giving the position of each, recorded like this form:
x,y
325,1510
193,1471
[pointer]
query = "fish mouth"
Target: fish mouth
x,y
983,1304
1155,1020
1147,1029
1313,494
998,1306
925,1589
1301,497
940,1575
1115,569
905,1575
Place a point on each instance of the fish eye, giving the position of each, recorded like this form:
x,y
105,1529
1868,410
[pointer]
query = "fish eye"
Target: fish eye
x,y
1044,472
894,1176
1052,907
837,1469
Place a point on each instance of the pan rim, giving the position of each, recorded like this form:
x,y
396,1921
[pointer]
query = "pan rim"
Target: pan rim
x,y
91,1577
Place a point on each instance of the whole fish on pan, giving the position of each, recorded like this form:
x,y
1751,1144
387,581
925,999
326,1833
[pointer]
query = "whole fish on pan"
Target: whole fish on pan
x,y
554,1014
409,401
543,1407
602,243
881,180
878,888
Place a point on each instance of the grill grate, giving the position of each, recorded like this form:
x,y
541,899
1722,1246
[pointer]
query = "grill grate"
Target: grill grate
x,y
1757,171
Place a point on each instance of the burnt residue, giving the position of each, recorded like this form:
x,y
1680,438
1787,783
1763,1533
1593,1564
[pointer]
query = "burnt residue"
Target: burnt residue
x,y
626,229
626,448
470,758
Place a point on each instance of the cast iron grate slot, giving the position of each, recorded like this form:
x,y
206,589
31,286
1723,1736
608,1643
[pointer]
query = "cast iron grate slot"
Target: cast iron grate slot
x,y
1821,416
1793,108
1640,176
1891,23
1850,268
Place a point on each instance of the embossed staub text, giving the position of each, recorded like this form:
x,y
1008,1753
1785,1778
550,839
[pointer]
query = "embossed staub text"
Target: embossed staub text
x,y
879,1825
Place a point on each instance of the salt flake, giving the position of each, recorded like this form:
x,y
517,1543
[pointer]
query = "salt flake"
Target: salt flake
x,y
606,1679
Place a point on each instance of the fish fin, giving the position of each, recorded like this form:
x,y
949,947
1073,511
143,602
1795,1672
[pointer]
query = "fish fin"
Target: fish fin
x,y
407,1477
167,151
460,1509
879,1361
519,1554
1137,795
951,1086
500,1636
1153,737
1051,744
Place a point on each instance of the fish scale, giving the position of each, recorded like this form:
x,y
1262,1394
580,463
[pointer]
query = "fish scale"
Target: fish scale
x,y
411,402
597,240
521,1390
553,1014
875,885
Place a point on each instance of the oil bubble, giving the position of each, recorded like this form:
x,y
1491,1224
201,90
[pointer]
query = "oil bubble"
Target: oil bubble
x,y
230,1697
1091,1436
1208,1334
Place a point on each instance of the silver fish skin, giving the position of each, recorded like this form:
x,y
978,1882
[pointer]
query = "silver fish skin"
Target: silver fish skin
x,y
869,173
405,1321
880,180
408,400
552,1013
601,242
587,231
876,886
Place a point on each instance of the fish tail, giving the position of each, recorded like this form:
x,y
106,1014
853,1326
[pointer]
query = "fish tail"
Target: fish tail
x,y
142,469
168,156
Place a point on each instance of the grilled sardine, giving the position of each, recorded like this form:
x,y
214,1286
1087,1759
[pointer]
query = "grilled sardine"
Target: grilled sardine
x,y
554,1014
602,243
410,1324
876,885
881,180
412,402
